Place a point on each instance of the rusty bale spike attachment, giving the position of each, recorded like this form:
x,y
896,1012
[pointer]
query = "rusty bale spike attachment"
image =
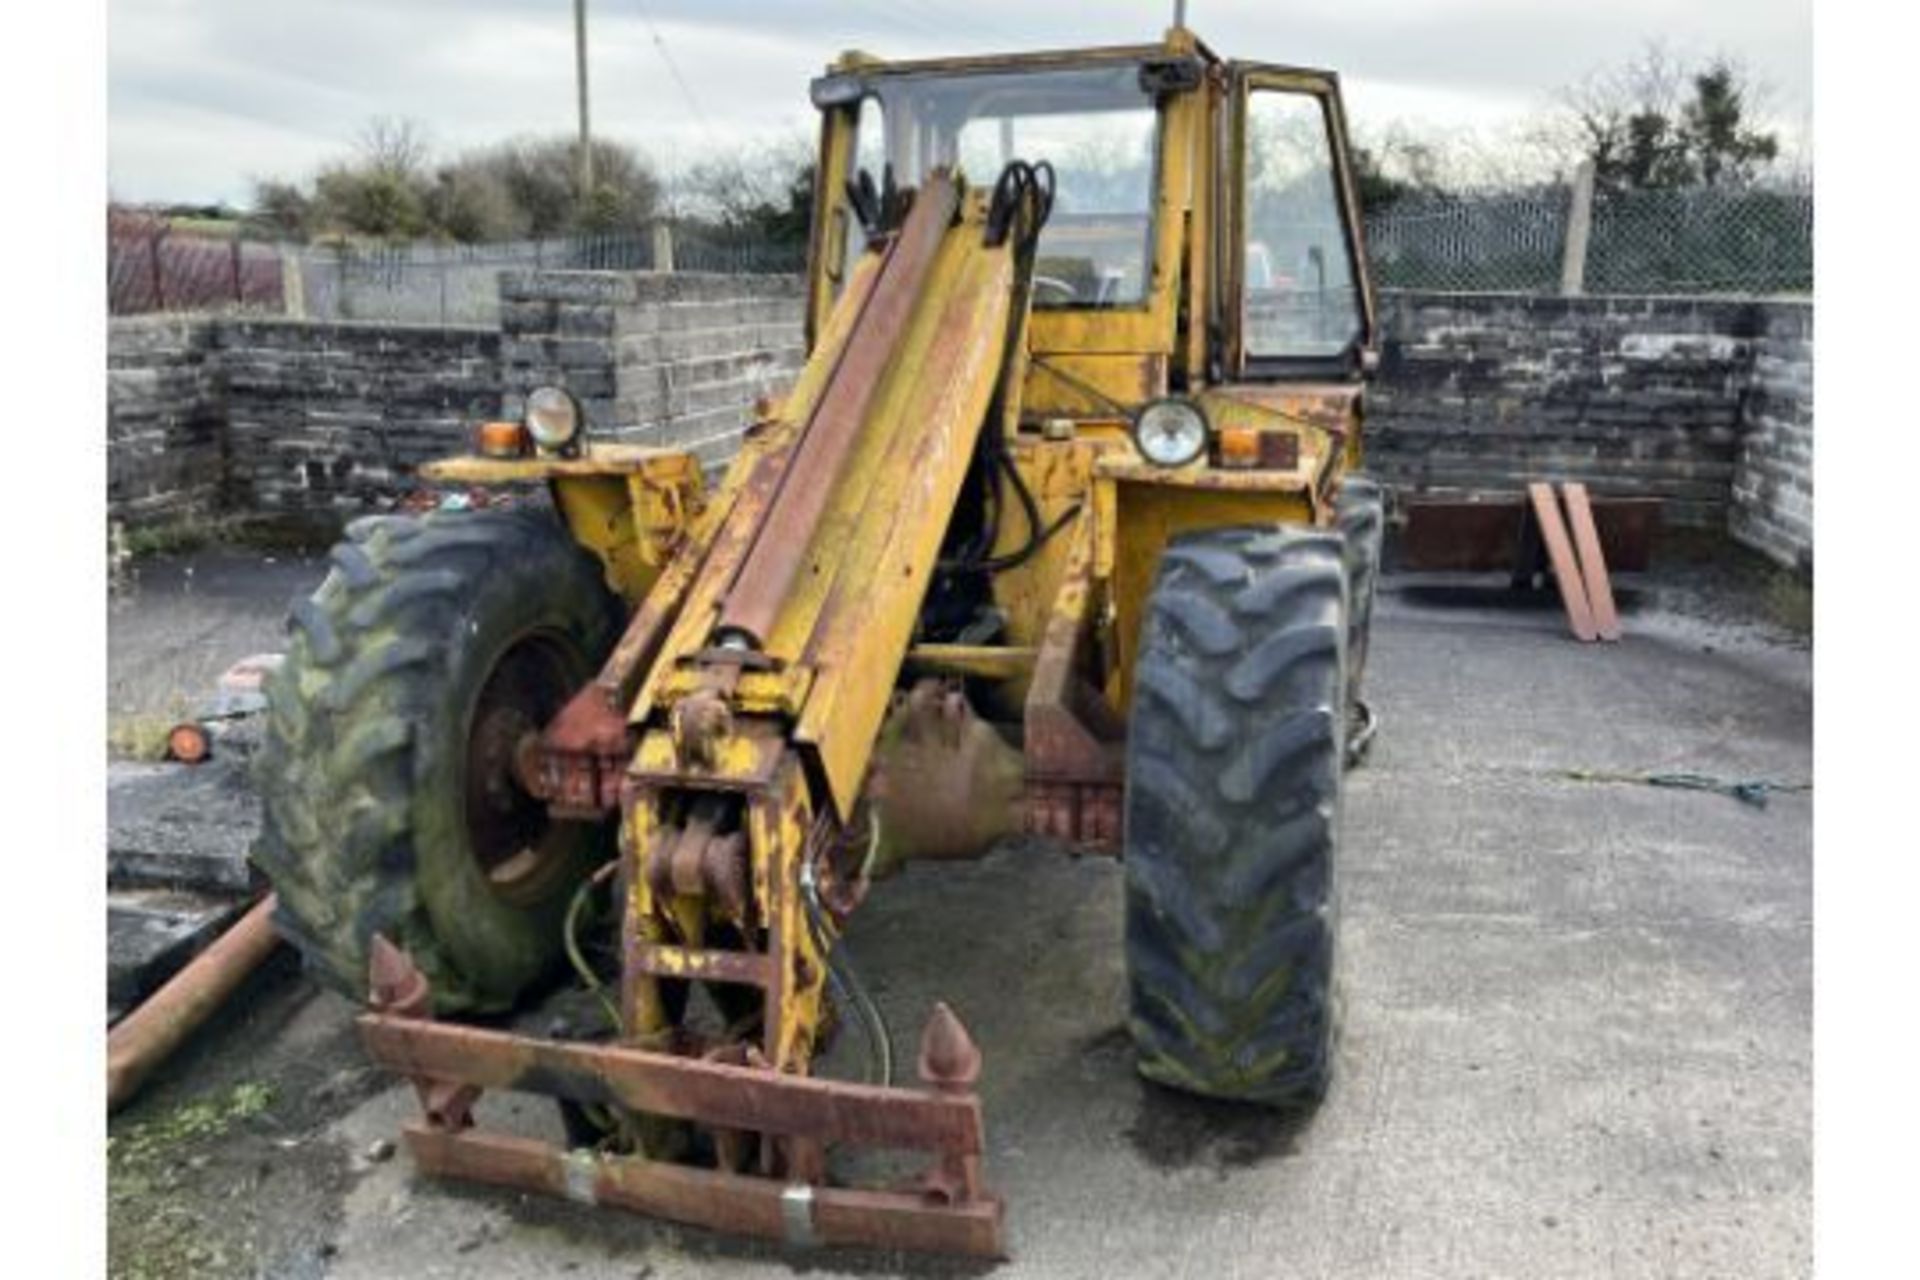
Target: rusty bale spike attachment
x,y
947,1211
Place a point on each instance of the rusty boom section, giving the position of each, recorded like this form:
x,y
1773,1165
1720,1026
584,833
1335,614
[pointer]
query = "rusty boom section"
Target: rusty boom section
x,y
733,728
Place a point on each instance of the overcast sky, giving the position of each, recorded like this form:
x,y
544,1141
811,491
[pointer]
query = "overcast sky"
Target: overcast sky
x,y
205,95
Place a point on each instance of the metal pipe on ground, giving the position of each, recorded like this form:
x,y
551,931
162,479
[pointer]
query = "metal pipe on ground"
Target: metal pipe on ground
x,y
146,1037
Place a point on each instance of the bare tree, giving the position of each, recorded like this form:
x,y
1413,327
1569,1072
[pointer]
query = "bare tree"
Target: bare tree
x,y
520,188
280,211
1655,122
393,145
743,185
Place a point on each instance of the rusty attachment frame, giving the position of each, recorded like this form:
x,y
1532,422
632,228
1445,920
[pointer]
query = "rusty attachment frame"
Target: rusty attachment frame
x,y
946,1209
1075,740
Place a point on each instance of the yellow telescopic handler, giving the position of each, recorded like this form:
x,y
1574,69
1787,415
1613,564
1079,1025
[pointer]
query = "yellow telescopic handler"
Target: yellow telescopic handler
x,y
1057,532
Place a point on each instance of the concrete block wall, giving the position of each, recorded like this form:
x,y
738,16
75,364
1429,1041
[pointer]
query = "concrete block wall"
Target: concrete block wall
x,y
1772,503
165,420
330,419
1637,396
1706,403
675,359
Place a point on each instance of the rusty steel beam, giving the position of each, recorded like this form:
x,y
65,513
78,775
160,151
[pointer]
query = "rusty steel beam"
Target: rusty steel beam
x,y
709,1093
1486,532
767,574
147,1036
746,968
796,1214
1471,534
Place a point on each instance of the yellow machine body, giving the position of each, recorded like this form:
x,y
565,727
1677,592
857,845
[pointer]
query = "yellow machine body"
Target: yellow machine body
x,y
781,617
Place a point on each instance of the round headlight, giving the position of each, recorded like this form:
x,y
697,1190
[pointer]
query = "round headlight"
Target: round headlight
x,y
553,418
1171,433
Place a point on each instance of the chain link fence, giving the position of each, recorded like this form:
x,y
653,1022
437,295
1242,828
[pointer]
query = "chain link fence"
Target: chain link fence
x,y
1687,241
1509,241
1702,240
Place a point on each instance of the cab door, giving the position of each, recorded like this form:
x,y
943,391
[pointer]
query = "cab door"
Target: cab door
x,y
1298,300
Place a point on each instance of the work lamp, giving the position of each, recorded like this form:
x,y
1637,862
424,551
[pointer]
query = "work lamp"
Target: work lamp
x,y
1170,432
553,419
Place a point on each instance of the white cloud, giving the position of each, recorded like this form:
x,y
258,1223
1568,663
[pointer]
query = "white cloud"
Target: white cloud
x,y
205,94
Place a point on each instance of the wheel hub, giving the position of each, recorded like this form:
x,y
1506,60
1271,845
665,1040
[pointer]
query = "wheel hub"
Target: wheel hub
x,y
513,838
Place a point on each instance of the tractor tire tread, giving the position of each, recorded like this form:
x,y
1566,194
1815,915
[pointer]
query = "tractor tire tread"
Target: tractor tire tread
x,y
1233,788
358,726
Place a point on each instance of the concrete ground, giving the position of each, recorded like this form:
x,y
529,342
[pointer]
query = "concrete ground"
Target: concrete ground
x,y
185,619
1577,1036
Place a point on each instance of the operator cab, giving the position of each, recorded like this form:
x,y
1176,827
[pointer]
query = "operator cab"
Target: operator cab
x,y
1203,231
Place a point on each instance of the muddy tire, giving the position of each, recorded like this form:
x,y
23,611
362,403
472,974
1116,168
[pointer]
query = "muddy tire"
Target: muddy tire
x,y
1233,788
388,803
1360,515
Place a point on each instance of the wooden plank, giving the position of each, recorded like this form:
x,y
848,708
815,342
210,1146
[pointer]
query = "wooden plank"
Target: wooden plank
x,y
1566,571
1593,561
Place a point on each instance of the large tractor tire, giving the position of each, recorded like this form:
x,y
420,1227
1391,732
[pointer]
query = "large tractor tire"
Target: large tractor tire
x,y
1233,790
390,805
1360,514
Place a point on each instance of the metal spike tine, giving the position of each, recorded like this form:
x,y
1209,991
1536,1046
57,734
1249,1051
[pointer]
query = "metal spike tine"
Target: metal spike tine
x,y
393,979
949,1059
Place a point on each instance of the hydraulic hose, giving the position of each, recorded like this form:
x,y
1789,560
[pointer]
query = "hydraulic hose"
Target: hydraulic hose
x,y
844,978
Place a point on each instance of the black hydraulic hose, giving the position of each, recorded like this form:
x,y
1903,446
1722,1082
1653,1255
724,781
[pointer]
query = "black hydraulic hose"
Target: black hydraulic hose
x,y
844,978
1022,201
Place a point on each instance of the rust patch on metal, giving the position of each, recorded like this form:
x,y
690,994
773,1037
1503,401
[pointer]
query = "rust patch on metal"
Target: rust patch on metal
x,y
1075,741
768,572
144,1038
1278,450
699,723
1486,532
729,1202
944,784
714,1093
576,765
399,991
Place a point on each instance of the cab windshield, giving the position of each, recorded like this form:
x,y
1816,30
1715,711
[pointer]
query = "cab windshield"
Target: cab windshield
x,y
1097,127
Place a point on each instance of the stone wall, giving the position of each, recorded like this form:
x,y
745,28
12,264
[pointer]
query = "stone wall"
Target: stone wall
x,y
166,419
1773,478
330,419
303,419
675,359
283,418
1631,395
1705,403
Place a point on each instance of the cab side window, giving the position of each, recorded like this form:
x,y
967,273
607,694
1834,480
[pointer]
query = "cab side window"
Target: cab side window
x,y
1301,296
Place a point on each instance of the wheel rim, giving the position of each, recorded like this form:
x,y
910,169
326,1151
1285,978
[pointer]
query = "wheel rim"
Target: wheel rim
x,y
515,844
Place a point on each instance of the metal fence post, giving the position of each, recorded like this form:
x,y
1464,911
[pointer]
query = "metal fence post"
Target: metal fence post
x,y
293,284
159,281
663,247
1573,261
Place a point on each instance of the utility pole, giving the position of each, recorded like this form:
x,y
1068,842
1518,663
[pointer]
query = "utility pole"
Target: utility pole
x,y
585,162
